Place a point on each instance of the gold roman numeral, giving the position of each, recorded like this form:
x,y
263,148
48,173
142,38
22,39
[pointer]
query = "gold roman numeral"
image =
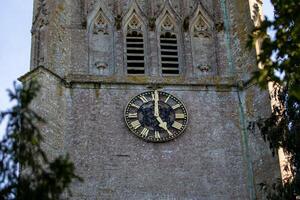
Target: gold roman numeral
x,y
144,99
134,105
157,135
176,106
135,124
177,125
145,132
167,99
179,116
132,115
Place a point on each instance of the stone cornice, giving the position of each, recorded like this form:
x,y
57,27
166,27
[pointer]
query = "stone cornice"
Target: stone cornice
x,y
224,83
40,69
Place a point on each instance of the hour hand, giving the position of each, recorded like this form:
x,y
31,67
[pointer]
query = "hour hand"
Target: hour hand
x,y
163,125
156,99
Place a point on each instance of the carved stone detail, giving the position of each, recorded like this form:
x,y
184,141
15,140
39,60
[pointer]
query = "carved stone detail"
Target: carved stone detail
x,y
101,65
101,24
204,68
41,17
201,28
167,24
186,24
219,26
152,23
134,24
118,22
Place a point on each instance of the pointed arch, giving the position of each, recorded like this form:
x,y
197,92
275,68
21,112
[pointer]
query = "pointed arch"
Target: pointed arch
x,y
134,28
100,24
134,18
167,24
101,40
168,10
169,37
201,23
202,38
99,17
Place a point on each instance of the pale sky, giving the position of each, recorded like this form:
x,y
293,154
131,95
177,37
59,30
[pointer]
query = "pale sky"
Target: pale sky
x,y
15,36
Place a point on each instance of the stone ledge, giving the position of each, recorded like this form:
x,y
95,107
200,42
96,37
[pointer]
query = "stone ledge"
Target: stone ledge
x,y
221,83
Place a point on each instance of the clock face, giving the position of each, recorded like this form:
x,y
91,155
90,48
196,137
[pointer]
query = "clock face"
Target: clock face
x,y
156,116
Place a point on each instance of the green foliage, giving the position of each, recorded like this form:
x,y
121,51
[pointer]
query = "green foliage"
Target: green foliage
x,y
280,57
284,48
281,130
25,171
279,190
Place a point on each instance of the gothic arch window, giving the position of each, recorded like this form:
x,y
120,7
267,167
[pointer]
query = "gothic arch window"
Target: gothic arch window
x,y
135,34
168,47
203,52
101,51
135,54
169,36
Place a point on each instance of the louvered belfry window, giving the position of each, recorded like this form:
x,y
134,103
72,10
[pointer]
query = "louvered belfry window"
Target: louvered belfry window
x,y
169,54
135,53
169,46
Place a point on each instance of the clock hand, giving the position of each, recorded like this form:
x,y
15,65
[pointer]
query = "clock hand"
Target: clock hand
x,y
156,99
163,125
160,120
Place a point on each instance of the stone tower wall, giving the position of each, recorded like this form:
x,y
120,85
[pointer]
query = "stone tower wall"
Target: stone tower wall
x,y
64,36
79,57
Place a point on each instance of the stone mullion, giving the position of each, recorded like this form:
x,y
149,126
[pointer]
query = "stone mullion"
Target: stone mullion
x,y
120,52
188,69
154,68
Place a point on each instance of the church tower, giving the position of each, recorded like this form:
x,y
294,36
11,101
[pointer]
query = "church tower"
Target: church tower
x,y
150,97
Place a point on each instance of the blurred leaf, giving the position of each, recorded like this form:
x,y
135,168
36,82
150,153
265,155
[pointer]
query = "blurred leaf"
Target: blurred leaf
x,y
25,171
284,47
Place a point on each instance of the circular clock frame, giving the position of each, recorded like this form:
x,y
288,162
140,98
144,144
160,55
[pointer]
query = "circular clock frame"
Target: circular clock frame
x,y
156,116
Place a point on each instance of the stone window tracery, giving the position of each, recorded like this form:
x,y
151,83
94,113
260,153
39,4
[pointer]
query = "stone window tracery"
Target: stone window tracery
x,y
201,28
167,25
101,24
134,24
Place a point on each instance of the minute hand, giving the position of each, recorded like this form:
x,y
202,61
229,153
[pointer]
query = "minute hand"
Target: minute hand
x,y
156,99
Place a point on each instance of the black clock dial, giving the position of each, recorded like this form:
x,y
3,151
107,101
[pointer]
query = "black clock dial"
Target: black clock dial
x,y
147,118
156,116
